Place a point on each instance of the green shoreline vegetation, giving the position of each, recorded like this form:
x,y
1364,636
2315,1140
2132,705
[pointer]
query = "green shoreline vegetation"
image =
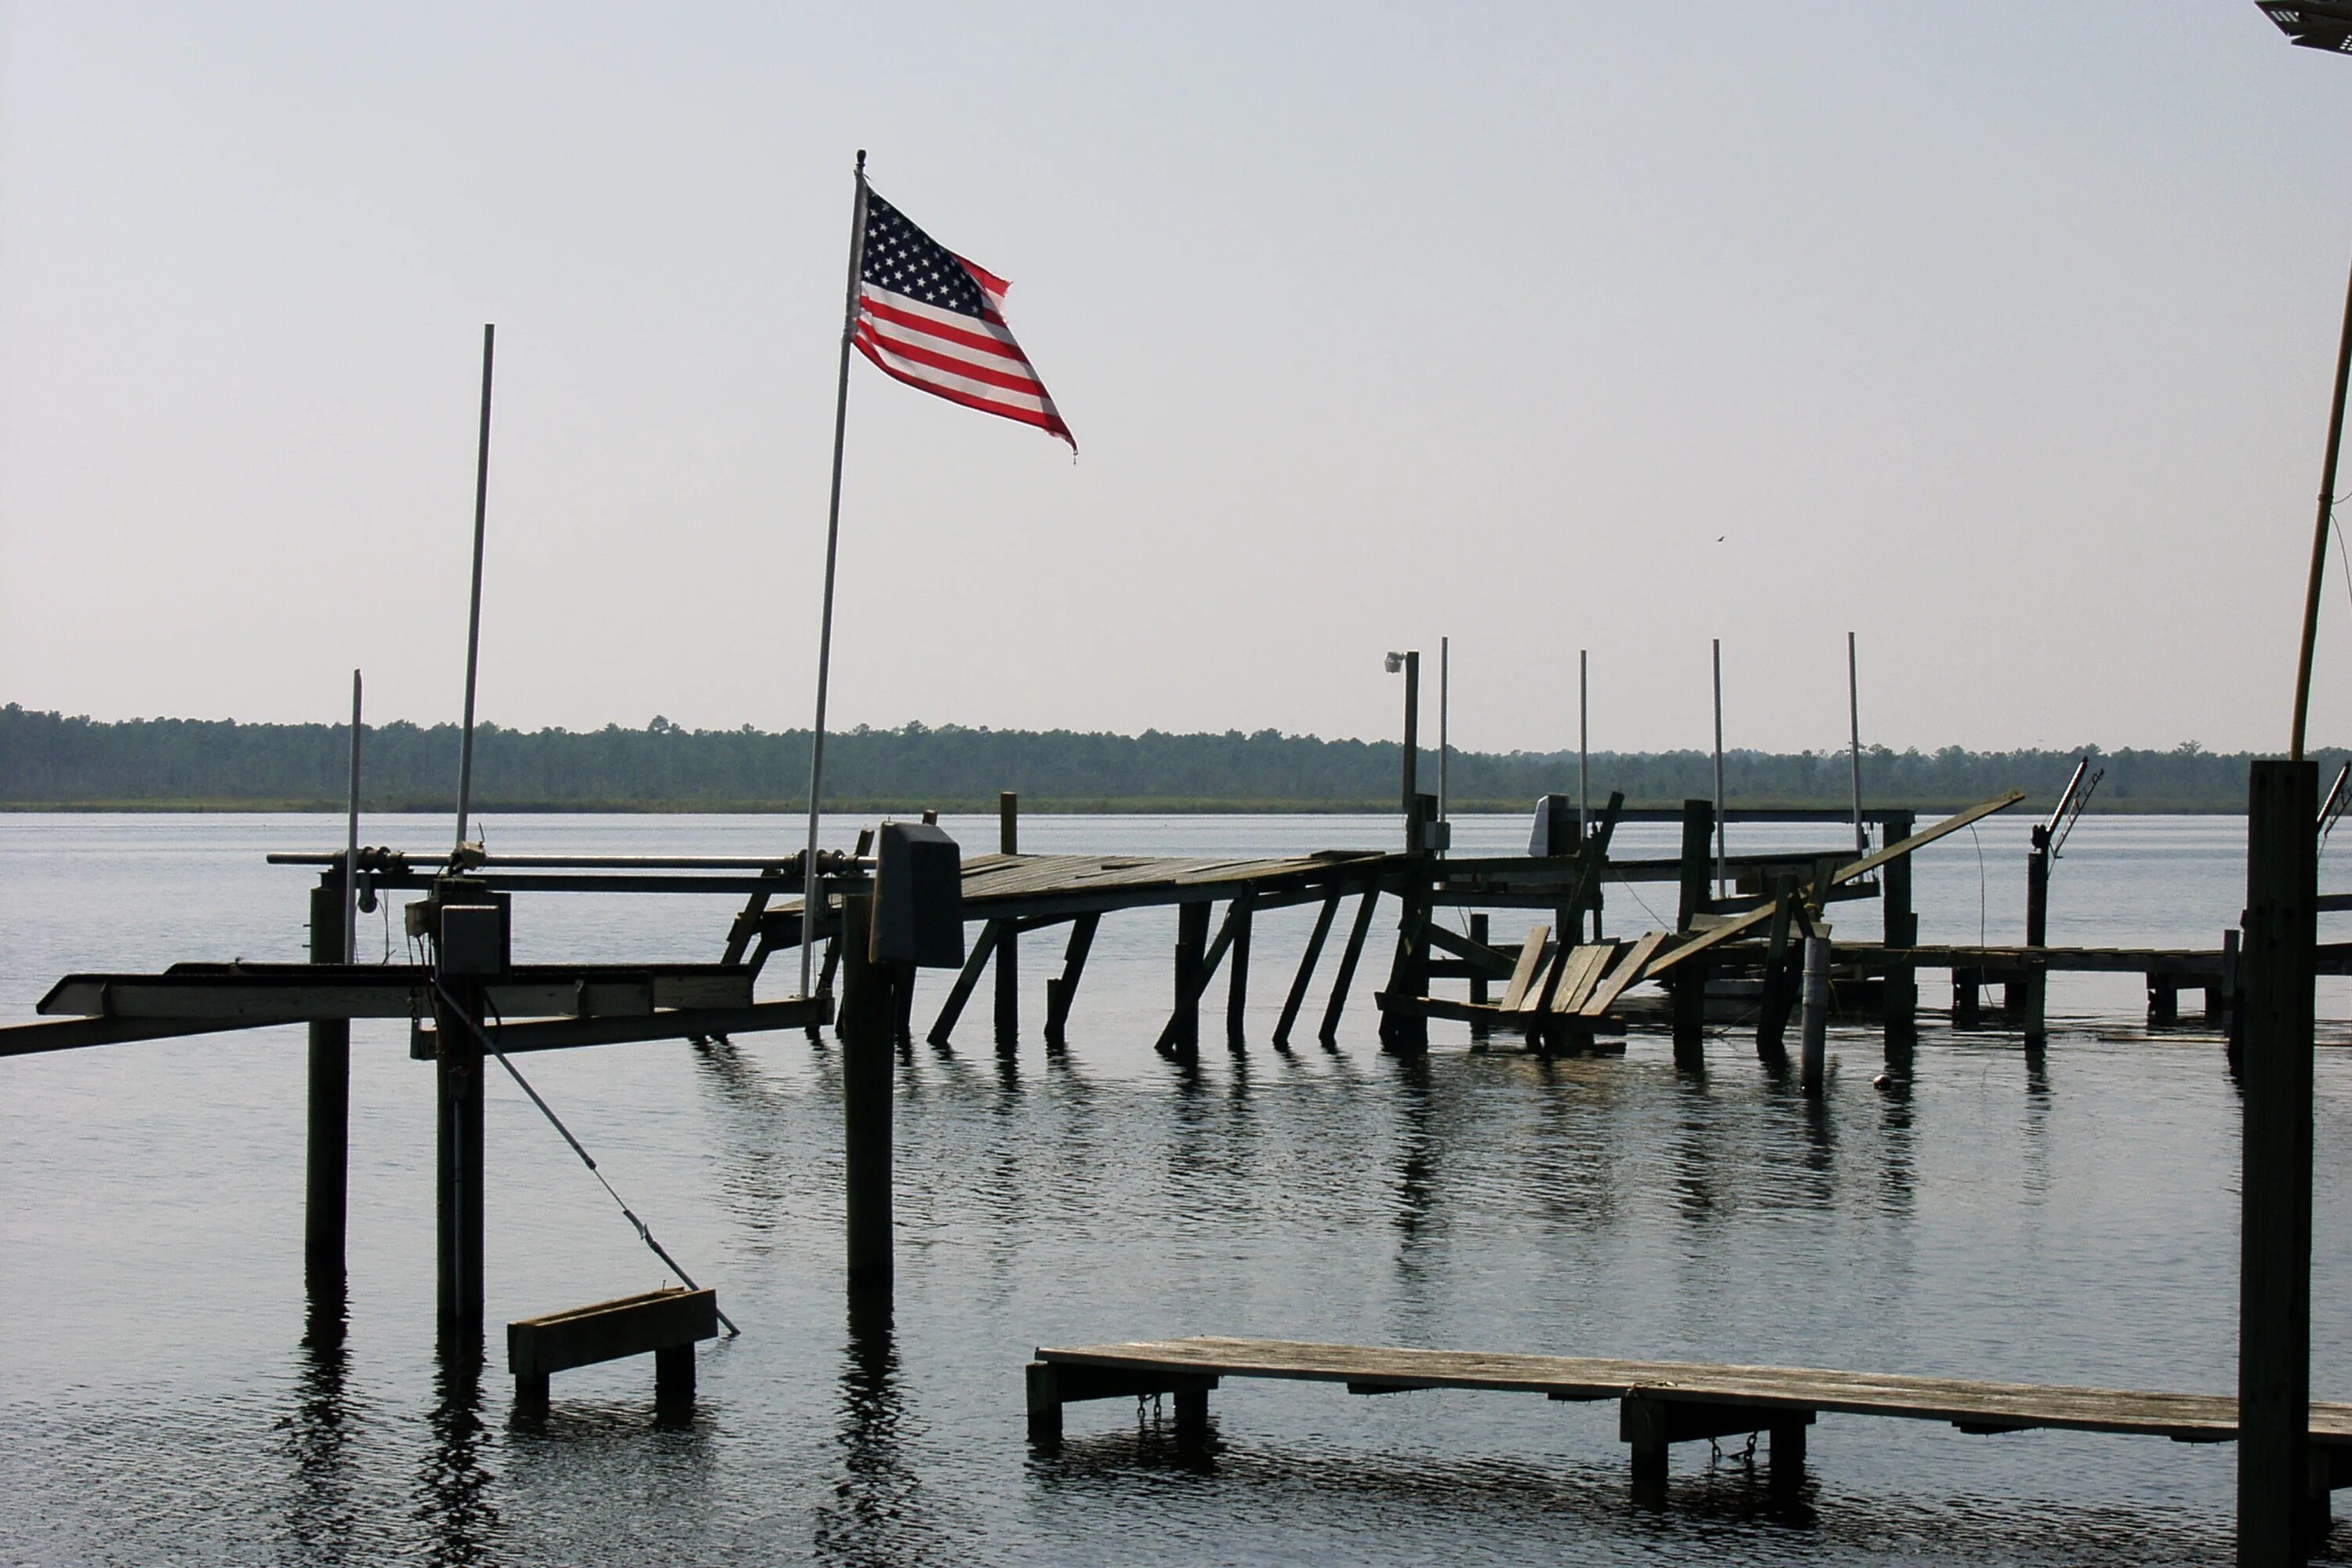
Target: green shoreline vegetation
x,y
51,762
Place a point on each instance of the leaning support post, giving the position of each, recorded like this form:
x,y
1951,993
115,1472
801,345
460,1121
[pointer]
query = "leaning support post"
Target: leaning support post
x,y
327,1160
1008,941
1816,1012
1306,975
1329,1032
1690,980
865,1025
2274,1271
944,1027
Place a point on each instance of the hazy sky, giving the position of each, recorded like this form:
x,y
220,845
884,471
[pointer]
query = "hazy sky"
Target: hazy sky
x,y
1999,333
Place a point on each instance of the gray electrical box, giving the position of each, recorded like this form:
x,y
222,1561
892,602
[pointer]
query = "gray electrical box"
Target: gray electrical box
x,y
917,897
1555,827
472,941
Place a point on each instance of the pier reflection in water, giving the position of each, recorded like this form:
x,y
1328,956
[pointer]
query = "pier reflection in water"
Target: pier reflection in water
x,y
2069,1219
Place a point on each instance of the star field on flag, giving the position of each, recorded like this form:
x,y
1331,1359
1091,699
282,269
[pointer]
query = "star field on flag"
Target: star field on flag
x,y
928,317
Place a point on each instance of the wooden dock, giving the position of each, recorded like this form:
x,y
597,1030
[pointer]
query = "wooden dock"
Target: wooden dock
x,y
1661,1403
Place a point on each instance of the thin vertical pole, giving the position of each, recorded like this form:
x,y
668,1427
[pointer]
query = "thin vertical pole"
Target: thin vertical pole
x,y
811,900
1853,722
473,610
1718,767
1412,752
2319,532
351,840
1583,748
1444,676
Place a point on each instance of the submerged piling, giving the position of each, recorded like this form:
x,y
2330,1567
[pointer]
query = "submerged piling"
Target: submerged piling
x,y
865,1024
327,1147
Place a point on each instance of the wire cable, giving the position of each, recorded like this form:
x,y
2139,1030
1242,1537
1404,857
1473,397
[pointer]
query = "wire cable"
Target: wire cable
x,y
578,1148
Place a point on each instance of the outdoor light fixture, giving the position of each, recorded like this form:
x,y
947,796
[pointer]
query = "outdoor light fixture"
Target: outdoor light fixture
x,y
1395,662
2313,23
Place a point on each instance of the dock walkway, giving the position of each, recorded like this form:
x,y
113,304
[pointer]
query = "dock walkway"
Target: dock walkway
x,y
1661,1402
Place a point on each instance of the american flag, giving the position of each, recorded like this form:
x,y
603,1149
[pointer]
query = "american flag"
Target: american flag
x,y
932,320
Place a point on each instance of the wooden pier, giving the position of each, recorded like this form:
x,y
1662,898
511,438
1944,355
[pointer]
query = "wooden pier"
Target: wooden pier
x,y
1660,1403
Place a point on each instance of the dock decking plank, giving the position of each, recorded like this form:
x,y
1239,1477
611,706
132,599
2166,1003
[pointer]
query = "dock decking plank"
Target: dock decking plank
x,y
2187,1417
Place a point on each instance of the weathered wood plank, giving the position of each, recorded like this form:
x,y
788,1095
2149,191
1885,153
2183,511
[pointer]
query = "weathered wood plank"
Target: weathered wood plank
x,y
1577,986
1529,965
634,1325
1628,974
2189,1417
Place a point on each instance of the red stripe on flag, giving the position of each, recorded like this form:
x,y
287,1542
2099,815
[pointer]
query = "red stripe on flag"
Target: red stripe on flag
x,y
1003,346
1021,380
1045,420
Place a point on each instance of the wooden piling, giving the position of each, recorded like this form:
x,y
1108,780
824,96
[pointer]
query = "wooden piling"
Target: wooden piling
x,y
1306,975
2036,995
1063,988
863,1024
1690,979
1479,934
457,1140
1783,986
1237,974
1900,991
1008,943
1405,1028
2274,1271
327,1155
1183,1036
1329,1032
1816,1022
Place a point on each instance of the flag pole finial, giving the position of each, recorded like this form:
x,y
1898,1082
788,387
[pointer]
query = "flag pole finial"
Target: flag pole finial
x,y
861,163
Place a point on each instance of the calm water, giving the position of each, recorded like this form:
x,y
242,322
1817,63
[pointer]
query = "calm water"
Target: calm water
x,y
2071,1220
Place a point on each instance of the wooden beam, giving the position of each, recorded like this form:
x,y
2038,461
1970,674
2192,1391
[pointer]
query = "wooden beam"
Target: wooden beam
x,y
1306,975
966,979
1348,956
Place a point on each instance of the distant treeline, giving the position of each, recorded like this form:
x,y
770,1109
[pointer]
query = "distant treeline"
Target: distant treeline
x,y
50,761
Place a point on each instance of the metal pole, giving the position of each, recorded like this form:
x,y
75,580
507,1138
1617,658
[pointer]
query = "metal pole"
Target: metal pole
x,y
1412,752
474,612
1444,663
2319,532
1853,718
1583,743
351,840
811,900
1718,767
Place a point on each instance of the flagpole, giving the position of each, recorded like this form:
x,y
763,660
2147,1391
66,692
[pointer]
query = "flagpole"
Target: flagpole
x,y
2319,533
812,902
473,613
